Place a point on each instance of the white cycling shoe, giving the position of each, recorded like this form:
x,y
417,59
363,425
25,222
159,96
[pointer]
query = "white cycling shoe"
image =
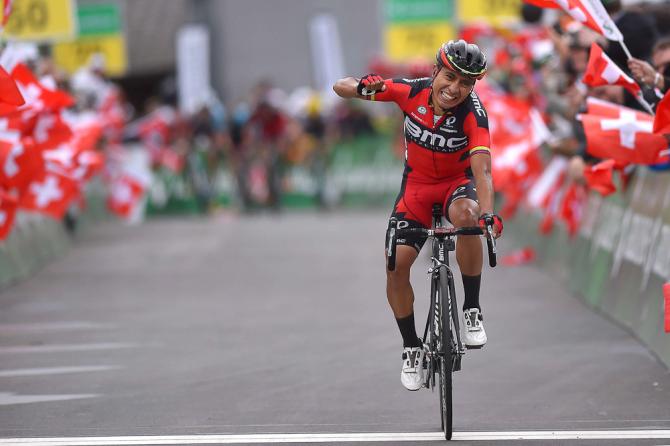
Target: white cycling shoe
x,y
411,375
474,335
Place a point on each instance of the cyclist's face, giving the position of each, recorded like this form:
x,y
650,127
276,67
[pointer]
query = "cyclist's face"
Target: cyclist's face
x,y
450,88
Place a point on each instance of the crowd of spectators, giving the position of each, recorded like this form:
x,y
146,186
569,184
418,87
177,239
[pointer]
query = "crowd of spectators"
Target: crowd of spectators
x,y
540,62
261,135
545,62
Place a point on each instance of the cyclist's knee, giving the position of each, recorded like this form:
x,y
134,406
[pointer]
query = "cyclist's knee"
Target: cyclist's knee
x,y
464,213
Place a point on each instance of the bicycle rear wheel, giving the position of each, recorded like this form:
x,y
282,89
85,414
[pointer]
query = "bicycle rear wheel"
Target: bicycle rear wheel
x,y
445,358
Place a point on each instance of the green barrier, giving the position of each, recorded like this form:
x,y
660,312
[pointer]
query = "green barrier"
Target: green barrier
x,y
362,171
35,239
619,261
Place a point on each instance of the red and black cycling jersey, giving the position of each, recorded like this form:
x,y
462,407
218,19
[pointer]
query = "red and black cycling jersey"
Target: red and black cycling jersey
x,y
437,151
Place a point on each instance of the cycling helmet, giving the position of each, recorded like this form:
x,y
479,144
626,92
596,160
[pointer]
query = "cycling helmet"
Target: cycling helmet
x,y
463,57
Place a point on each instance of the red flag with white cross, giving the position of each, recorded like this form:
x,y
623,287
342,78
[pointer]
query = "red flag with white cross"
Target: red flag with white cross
x,y
9,91
622,134
589,13
599,177
572,207
19,163
601,70
50,131
125,194
50,194
36,95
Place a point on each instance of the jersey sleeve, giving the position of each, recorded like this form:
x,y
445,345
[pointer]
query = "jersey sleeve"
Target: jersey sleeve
x,y
476,126
396,91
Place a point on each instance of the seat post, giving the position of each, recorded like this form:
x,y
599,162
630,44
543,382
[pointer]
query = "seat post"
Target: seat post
x,y
437,215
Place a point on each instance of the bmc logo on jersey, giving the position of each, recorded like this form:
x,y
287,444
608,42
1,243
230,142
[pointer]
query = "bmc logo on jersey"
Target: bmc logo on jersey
x,y
434,141
478,105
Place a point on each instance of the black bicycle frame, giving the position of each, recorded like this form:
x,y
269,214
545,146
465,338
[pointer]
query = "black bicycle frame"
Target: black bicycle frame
x,y
440,265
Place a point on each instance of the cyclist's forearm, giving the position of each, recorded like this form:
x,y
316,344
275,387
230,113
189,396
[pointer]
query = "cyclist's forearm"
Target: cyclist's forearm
x,y
480,163
484,185
346,87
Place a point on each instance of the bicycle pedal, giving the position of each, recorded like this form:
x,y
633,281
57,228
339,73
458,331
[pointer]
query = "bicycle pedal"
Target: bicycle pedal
x,y
474,347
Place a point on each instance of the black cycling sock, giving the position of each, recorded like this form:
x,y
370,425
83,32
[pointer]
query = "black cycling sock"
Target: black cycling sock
x,y
471,288
408,331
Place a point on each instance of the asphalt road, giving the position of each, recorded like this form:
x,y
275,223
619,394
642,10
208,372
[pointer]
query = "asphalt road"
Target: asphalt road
x,y
279,325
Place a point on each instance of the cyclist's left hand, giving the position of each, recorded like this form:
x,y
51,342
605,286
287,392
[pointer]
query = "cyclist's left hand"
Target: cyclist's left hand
x,y
494,221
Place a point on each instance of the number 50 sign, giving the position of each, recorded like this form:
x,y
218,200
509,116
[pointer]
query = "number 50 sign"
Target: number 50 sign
x,y
41,20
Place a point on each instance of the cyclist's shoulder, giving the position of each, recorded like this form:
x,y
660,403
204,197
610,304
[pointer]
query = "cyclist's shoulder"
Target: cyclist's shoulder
x,y
474,105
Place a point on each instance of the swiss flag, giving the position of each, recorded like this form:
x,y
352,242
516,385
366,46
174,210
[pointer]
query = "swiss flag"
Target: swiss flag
x,y
125,194
20,162
9,92
37,96
522,176
73,162
589,13
572,207
7,213
113,114
552,206
599,177
92,162
621,133
662,118
50,131
50,194
62,157
548,183
601,70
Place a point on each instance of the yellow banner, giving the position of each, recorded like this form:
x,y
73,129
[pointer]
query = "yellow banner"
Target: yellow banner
x,y
41,20
494,12
409,42
73,55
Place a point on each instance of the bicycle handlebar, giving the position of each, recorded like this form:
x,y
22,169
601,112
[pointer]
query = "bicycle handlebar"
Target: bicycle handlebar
x,y
394,232
491,245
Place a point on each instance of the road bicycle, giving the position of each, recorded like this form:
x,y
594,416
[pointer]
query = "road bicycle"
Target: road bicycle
x,y
442,338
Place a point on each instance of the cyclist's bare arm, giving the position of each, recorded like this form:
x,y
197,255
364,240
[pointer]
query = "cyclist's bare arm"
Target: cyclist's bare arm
x,y
480,163
348,86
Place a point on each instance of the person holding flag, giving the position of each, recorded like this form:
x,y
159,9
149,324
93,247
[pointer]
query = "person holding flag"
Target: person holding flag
x,y
658,75
447,161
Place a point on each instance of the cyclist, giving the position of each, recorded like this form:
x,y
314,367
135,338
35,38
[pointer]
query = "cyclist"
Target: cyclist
x,y
447,161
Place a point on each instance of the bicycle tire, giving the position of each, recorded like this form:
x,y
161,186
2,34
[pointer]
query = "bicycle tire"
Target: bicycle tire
x,y
446,359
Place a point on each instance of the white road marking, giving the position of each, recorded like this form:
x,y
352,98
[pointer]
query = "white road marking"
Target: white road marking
x,y
55,370
8,399
54,326
336,438
64,347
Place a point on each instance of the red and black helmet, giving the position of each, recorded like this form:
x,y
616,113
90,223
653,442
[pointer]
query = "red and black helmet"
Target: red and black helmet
x,y
463,57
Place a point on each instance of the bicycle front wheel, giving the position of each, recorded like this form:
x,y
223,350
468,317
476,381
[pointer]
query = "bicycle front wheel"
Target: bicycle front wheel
x,y
446,357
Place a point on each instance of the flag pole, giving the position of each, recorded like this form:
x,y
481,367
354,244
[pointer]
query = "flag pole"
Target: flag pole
x,y
625,49
644,103
640,98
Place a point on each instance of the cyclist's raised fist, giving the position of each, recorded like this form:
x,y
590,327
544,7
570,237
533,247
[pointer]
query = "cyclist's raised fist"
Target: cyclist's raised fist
x,y
370,84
